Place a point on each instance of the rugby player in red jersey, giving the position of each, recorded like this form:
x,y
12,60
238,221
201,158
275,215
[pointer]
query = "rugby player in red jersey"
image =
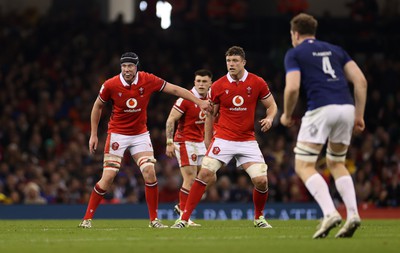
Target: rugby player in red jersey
x,y
187,121
234,98
129,93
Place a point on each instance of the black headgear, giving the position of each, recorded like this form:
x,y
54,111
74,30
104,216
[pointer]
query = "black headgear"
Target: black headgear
x,y
130,57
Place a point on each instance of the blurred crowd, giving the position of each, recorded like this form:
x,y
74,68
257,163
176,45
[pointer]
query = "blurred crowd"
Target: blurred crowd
x,y
52,67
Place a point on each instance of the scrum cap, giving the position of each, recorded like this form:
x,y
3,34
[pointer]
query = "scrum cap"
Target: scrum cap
x,y
130,57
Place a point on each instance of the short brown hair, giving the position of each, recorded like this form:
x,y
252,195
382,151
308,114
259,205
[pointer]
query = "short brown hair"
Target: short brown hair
x,y
304,24
236,50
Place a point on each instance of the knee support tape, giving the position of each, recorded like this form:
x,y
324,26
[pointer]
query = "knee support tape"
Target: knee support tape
x,y
145,161
112,162
257,170
211,164
305,153
336,156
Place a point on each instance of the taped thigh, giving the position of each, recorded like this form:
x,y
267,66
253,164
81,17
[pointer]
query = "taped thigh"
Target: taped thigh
x,y
112,162
211,164
336,156
145,161
305,153
257,170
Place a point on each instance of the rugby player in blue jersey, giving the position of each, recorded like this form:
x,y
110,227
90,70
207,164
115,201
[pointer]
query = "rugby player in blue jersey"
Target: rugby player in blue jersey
x,y
323,71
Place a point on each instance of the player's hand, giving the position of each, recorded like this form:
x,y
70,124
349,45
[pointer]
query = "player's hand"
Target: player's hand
x,y
286,121
266,124
359,125
93,141
170,150
206,105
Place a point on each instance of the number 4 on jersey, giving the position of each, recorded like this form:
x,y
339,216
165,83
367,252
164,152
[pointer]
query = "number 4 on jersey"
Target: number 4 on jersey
x,y
327,67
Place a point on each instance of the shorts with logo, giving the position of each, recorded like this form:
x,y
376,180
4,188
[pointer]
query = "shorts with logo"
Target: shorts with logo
x,y
190,153
116,144
242,151
331,121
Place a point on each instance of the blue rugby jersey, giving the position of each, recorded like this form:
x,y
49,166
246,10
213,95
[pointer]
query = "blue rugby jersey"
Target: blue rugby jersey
x,y
322,75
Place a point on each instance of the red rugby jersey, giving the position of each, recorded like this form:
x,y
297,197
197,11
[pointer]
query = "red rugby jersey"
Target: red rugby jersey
x,y
129,102
191,124
237,105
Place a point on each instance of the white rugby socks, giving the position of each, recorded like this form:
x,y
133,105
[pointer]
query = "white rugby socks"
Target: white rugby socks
x,y
345,187
318,188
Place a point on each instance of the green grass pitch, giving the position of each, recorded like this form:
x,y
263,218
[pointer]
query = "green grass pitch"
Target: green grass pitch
x,y
119,236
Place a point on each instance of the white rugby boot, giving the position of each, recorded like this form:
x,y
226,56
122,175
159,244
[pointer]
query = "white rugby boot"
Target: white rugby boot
x,y
349,227
327,223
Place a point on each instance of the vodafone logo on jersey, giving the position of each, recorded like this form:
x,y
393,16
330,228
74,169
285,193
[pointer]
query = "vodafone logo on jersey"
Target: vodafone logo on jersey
x,y
202,118
131,103
238,101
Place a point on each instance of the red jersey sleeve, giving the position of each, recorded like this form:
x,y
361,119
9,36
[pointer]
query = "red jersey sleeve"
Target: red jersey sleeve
x,y
264,91
180,105
105,93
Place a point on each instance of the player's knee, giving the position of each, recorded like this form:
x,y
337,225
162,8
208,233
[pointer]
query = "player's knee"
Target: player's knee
x,y
305,153
112,162
206,175
189,172
210,164
261,183
146,162
189,180
335,157
149,173
257,170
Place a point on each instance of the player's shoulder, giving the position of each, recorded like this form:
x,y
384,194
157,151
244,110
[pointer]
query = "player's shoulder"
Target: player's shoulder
x,y
328,44
291,52
144,75
112,81
324,45
223,80
336,50
254,78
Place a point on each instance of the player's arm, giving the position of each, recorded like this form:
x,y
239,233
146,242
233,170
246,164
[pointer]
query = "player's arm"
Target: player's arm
x,y
209,123
290,97
184,93
174,116
355,75
94,124
270,104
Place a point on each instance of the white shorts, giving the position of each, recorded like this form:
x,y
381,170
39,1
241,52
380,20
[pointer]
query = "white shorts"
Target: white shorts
x,y
190,153
242,151
116,144
332,121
